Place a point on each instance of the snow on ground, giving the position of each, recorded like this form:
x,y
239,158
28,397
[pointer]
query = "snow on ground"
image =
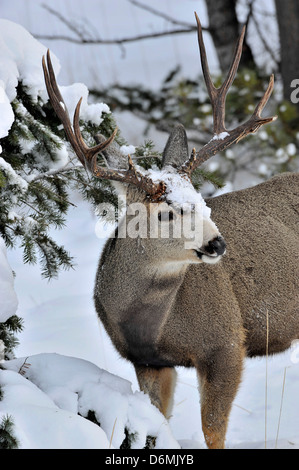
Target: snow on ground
x,y
74,386
39,423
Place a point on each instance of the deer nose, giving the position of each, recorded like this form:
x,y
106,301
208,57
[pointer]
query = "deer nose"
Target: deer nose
x,y
216,246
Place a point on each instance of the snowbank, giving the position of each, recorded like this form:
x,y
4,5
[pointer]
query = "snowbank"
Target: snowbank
x,y
59,387
39,423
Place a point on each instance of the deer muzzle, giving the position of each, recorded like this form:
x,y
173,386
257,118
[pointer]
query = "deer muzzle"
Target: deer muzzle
x,y
213,251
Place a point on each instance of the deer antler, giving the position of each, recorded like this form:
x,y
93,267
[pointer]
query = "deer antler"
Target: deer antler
x,y
88,155
222,138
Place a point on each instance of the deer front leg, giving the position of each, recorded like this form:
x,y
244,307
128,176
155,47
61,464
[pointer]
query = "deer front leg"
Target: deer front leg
x,y
159,384
219,379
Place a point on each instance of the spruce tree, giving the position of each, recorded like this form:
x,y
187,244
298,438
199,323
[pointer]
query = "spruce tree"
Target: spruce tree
x,y
7,438
37,178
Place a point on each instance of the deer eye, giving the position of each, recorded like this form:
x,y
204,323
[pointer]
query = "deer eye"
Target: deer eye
x,y
165,216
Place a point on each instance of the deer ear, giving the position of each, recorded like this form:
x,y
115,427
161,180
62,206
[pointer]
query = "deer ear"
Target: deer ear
x,y
176,149
112,155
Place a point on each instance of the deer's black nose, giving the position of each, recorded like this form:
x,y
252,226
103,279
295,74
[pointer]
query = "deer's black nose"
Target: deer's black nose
x,y
216,246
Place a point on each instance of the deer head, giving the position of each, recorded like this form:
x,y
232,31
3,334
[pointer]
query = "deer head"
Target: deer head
x,y
169,193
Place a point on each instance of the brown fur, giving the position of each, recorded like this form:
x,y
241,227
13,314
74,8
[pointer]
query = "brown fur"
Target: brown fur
x,y
160,315
159,384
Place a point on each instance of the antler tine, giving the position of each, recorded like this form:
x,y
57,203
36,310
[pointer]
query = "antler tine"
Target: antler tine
x,y
204,61
218,95
88,155
55,96
84,153
52,78
89,152
222,138
260,107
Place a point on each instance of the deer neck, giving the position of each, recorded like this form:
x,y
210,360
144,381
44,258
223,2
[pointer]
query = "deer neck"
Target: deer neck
x,y
138,294
135,294
131,276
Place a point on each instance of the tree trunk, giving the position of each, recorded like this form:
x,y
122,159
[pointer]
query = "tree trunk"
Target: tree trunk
x,y
288,20
225,31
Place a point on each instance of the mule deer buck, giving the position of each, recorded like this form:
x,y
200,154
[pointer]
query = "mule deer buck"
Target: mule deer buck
x,y
179,301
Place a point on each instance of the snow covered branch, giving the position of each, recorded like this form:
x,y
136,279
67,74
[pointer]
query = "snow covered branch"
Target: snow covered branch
x,y
66,392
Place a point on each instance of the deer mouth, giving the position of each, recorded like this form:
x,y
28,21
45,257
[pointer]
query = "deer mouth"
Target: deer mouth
x,y
208,258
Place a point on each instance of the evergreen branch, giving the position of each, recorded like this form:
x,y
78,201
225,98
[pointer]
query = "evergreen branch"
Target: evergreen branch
x,y
47,192
26,203
14,323
7,439
87,184
48,173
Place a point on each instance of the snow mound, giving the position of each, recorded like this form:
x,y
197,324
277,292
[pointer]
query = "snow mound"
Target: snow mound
x,y
66,386
39,423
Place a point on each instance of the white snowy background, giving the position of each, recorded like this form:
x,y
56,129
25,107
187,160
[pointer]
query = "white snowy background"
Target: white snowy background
x,y
64,351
